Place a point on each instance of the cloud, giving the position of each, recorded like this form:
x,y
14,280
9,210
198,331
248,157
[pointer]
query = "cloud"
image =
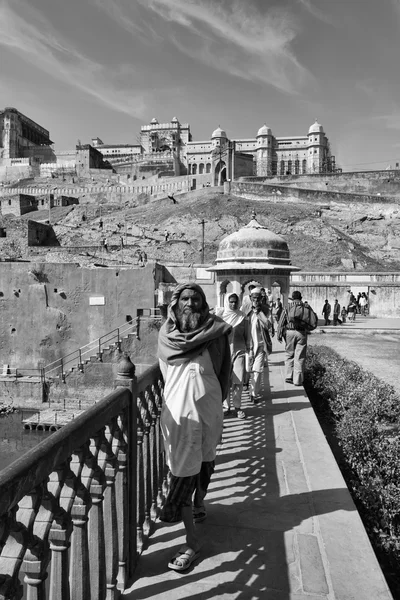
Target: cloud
x,y
316,12
33,38
229,35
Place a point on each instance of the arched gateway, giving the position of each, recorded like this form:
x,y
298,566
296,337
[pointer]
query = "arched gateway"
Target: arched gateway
x,y
253,253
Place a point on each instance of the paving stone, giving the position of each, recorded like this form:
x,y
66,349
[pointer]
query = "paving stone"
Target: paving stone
x,y
311,565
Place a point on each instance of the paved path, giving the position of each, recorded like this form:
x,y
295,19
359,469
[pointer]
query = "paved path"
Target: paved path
x,y
281,524
363,323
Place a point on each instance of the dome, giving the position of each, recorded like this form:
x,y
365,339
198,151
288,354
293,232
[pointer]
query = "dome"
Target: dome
x,y
254,243
218,133
264,130
154,121
316,128
174,120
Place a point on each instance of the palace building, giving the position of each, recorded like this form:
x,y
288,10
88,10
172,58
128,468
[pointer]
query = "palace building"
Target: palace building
x,y
20,137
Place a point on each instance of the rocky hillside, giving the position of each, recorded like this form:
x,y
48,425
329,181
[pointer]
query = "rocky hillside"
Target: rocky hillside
x,y
341,237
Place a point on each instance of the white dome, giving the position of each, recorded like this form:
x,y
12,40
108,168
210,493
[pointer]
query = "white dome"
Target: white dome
x,y
218,133
264,130
154,121
316,128
174,120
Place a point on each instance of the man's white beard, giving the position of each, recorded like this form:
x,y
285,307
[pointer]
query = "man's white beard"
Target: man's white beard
x,y
188,320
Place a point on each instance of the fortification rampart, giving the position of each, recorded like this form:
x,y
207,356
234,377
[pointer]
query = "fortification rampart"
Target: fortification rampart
x,y
278,193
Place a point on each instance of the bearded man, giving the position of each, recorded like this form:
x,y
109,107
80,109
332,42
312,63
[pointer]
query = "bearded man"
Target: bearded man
x,y
195,362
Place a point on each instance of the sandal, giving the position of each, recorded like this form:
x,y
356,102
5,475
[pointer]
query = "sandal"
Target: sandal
x,y
199,515
240,414
182,560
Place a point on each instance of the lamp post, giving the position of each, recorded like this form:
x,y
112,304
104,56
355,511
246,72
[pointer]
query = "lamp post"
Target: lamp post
x,y
202,223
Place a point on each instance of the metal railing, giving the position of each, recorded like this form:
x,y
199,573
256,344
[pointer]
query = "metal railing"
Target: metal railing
x,y
76,510
77,357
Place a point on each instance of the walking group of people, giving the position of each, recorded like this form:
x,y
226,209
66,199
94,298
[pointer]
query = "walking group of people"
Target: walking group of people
x,y
356,305
207,357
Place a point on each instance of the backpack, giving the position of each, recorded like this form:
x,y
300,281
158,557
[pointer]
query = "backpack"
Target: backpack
x,y
298,314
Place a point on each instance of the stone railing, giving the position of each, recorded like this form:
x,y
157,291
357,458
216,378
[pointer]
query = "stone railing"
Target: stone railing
x,y
76,510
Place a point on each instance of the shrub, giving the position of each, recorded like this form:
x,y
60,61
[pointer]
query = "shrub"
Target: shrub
x,y
366,416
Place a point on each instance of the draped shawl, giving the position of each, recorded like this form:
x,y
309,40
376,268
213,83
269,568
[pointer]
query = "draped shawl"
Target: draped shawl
x,y
177,347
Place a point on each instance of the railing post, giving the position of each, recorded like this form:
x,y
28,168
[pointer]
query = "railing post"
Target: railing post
x,y
128,540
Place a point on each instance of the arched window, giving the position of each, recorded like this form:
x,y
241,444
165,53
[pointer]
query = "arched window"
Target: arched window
x,y
297,166
208,168
194,169
304,168
282,167
201,168
289,167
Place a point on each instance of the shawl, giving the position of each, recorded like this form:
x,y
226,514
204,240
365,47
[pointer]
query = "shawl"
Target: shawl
x,y
176,347
232,317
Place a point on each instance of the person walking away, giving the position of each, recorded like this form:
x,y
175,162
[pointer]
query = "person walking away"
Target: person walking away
x,y
362,303
336,312
277,310
261,330
294,325
326,311
239,344
358,302
343,314
195,362
352,309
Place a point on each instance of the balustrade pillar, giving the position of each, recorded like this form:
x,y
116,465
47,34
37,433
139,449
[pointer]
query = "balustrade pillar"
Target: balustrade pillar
x,y
127,517
35,576
110,517
59,544
97,542
79,562
146,464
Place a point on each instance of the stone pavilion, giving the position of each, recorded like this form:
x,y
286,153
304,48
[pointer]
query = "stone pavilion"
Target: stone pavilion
x,y
253,254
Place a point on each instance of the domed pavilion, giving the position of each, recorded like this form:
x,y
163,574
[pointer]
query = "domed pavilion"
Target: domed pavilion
x,y
253,254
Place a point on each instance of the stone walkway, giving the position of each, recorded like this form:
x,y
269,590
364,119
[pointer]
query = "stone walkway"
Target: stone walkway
x,y
281,524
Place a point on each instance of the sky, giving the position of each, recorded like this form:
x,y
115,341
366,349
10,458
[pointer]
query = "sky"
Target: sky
x,y
88,68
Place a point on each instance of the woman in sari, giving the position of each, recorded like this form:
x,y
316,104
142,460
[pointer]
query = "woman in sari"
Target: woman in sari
x,y
240,344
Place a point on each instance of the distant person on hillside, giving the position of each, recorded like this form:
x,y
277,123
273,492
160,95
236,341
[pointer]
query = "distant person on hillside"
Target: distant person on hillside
x,y
142,258
105,244
171,197
336,312
101,224
326,311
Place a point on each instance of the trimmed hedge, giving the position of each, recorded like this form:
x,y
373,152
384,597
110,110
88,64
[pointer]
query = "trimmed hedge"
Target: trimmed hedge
x,y
365,413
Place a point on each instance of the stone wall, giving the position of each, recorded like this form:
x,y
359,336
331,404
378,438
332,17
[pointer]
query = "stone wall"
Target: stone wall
x,y
46,309
383,290
41,234
278,193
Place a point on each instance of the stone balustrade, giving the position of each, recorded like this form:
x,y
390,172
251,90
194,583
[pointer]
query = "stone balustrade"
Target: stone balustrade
x,y
76,510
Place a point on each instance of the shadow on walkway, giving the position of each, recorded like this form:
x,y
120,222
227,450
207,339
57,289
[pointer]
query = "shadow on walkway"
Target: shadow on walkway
x,y
261,538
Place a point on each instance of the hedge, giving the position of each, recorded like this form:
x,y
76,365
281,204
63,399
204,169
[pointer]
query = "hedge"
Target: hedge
x,y
365,414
